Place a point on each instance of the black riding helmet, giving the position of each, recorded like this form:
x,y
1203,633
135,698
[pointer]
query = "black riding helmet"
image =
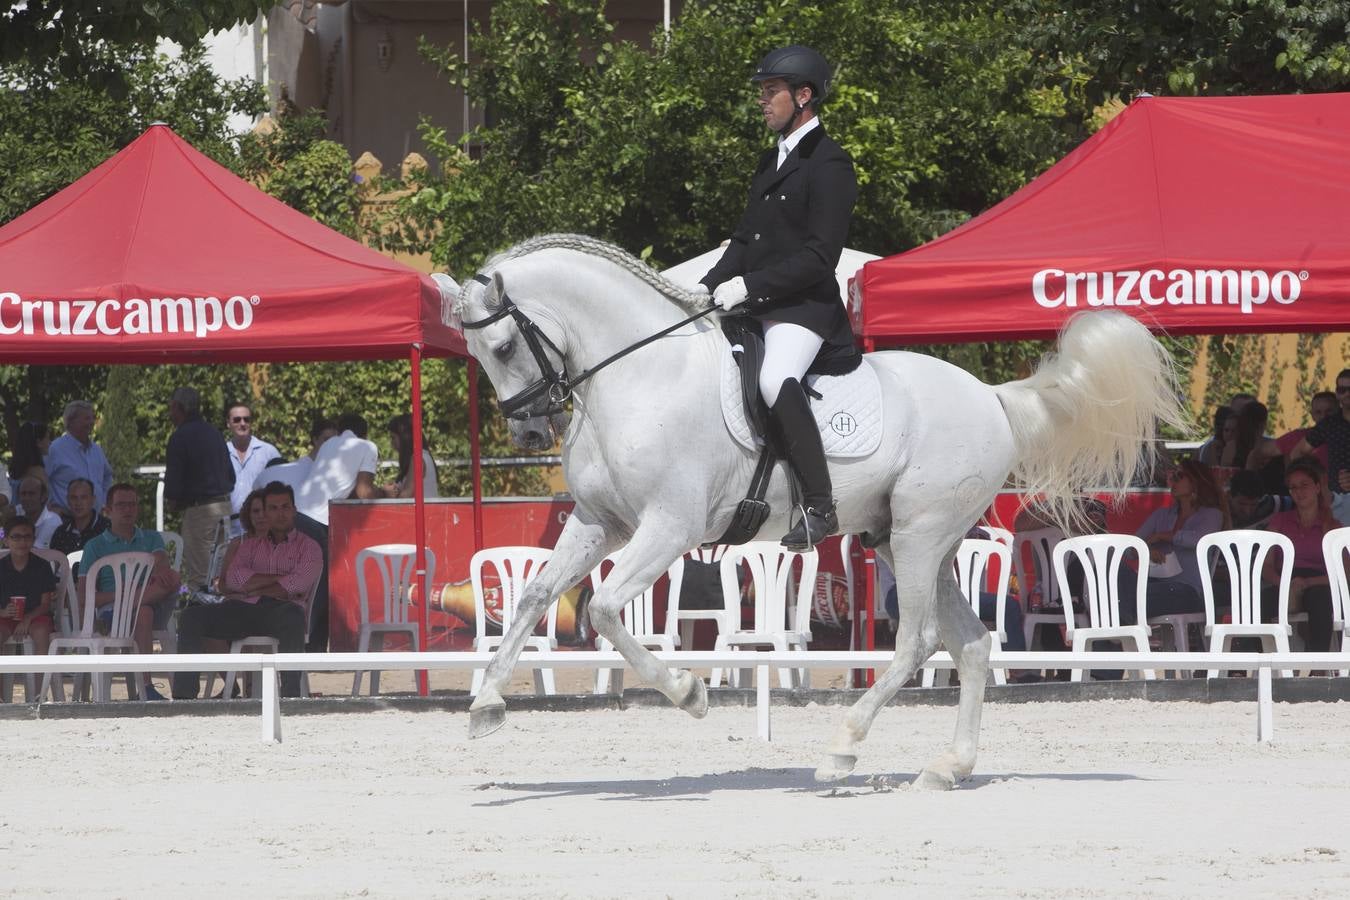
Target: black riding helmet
x,y
797,65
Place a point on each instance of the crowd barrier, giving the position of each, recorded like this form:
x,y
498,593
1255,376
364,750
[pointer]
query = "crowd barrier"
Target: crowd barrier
x,y
268,665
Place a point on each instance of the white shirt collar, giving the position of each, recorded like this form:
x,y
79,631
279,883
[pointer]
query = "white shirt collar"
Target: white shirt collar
x,y
788,144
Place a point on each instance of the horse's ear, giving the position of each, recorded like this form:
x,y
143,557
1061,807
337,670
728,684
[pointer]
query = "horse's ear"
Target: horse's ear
x,y
498,288
449,294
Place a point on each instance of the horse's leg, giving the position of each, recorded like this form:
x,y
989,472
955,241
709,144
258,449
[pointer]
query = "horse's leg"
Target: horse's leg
x,y
581,546
652,550
915,640
968,641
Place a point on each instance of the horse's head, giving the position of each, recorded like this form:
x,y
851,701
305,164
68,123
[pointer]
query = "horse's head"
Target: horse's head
x,y
523,363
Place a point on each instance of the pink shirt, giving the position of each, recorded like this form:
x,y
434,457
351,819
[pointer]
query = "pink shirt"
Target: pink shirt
x,y
297,559
1287,443
1307,541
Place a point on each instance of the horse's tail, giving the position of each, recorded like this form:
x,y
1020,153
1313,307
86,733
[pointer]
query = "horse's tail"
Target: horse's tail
x,y
1088,416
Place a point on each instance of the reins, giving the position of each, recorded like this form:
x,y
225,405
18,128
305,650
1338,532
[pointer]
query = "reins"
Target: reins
x,y
557,386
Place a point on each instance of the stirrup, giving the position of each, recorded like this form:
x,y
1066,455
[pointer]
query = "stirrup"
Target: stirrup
x,y
813,527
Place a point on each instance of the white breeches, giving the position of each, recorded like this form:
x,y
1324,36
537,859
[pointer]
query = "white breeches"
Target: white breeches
x,y
789,351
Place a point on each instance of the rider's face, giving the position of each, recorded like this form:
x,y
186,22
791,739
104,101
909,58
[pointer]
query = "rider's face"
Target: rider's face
x,y
775,103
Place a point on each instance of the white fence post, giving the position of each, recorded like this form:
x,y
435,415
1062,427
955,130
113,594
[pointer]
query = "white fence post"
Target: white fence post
x,y
1265,707
271,705
762,703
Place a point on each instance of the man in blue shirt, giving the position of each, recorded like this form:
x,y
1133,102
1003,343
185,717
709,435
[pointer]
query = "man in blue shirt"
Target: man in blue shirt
x,y
248,455
157,603
198,479
75,455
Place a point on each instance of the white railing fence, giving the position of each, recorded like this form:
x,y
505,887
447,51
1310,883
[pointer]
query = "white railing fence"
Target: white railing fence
x,y
268,665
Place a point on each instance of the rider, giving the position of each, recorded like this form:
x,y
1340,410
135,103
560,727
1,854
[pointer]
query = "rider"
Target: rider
x,y
781,263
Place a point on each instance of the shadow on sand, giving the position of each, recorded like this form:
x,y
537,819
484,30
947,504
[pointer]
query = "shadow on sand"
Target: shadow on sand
x,y
790,781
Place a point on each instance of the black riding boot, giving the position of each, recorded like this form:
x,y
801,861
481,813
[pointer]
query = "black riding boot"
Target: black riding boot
x,y
801,446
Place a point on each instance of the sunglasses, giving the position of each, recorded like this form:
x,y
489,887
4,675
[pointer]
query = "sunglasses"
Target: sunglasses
x,y
247,420
1343,388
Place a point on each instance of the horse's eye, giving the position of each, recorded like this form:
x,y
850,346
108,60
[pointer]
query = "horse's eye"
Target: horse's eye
x,y
504,349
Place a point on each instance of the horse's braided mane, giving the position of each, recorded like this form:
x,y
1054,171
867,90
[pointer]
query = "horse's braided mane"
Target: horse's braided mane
x,y
690,300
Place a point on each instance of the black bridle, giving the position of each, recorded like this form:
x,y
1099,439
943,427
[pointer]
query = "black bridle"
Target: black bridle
x,y
553,386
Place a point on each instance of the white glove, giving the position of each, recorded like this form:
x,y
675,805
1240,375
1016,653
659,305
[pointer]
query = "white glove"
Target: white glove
x,y
731,293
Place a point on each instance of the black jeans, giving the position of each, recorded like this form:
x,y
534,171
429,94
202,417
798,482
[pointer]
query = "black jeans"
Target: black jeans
x,y
235,619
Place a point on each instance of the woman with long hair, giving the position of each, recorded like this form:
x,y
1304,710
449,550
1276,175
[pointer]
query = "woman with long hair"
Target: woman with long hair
x,y
1199,507
1305,524
1225,433
401,436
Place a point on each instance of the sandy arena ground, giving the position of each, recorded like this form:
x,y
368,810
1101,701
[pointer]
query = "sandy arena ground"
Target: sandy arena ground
x,y
1100,799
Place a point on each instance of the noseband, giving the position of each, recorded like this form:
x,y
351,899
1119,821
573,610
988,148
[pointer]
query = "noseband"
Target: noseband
x,y
553,386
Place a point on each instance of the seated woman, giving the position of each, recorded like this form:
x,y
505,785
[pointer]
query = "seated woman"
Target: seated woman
x,y
1198,508
1311,517
401,437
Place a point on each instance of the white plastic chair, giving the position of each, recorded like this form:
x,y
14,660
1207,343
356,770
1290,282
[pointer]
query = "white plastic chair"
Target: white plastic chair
x,y
1101,556
219,545
639,618
686,618
131,573
973,558
994,533
1179,625
1335,545
1032,551
515,568
397,565
173,545
782,603
1244,554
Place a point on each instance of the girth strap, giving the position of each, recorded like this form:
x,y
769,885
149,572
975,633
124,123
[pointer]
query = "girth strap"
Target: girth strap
x,y
753,511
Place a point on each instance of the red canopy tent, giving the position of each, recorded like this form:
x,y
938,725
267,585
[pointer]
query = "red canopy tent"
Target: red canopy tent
x,y
1197,215
161,255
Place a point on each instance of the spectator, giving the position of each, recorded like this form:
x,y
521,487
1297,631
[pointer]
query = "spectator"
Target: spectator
x,y
27,589
254,517
295,473
401,436
1323,404
82,523
1198,508
1211,452
75,455
198,479
1238,401
33,506
1304,525
1334,432
249,455
31,444
1264,457
268,581
1249,504
123,536
344,467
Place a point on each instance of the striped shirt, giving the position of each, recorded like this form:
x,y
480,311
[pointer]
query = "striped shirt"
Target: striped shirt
x,y
297,559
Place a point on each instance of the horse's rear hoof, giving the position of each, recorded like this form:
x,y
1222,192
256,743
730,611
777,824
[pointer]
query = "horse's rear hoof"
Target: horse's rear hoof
x,y
486,719
695,701
836,767
932,780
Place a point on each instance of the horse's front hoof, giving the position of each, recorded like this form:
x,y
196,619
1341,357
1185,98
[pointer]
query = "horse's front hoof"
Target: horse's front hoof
x,y
695,700
836,767
934,780
486,719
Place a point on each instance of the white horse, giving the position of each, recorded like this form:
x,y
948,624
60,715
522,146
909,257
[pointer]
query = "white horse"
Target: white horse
x,y
653,468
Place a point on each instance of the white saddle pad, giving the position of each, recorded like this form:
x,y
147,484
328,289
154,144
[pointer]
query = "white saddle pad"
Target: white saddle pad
x,y
848,415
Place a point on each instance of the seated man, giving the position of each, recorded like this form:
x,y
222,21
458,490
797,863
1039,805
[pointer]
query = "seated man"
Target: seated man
x,y
267,584
161,593
1249,504
33,506
84,522
27,589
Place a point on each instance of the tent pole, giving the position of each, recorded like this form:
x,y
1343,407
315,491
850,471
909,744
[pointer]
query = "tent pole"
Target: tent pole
x,y
476,455
419,513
